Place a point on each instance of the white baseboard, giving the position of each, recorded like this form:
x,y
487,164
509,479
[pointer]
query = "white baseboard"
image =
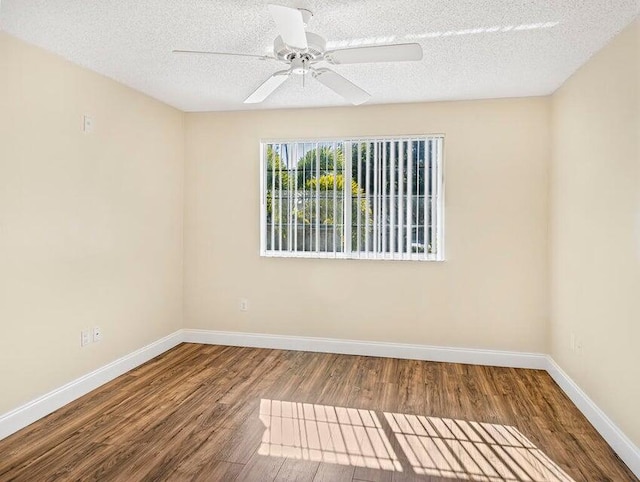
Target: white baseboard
x,y
370,348
22,416
618,441
28,413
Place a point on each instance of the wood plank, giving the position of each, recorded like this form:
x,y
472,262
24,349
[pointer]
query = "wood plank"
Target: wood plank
x,y
293,470
214,470
372,475
334,473
260,468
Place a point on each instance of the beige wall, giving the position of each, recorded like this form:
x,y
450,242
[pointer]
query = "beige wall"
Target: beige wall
x,y
595,229
90,225
490,293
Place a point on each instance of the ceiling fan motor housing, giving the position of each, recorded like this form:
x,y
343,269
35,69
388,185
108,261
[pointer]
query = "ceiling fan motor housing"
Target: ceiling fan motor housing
x,y
315,50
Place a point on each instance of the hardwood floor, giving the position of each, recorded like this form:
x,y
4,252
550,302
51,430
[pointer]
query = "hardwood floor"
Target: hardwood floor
x,y
214,413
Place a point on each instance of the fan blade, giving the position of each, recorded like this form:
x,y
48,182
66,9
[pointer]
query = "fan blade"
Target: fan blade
x,y
290,25
341,86
232,54
267,87
375,53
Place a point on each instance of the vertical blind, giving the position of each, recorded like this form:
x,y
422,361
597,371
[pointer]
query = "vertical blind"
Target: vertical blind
x,y
371,198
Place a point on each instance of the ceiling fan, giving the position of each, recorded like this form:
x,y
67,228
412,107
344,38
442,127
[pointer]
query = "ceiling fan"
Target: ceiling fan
x,y
302,51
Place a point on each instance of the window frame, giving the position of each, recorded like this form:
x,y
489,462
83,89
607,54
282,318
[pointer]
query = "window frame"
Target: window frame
x,y
437,256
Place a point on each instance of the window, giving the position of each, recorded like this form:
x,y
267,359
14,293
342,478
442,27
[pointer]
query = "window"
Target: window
x,y
370,198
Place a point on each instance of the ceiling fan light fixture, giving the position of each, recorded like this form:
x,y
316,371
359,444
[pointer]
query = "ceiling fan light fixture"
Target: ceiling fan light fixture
x,y
300,65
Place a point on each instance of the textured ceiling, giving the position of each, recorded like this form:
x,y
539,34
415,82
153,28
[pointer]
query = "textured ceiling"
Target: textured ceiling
x,y
472,48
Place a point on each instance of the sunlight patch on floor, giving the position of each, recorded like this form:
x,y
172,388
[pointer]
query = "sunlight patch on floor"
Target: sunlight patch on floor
x,y
324,433
430,446
471,450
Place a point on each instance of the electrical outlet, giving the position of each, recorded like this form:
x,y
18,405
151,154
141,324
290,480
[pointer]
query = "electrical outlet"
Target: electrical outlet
x,y
97,334
244,304
85,337
87,124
